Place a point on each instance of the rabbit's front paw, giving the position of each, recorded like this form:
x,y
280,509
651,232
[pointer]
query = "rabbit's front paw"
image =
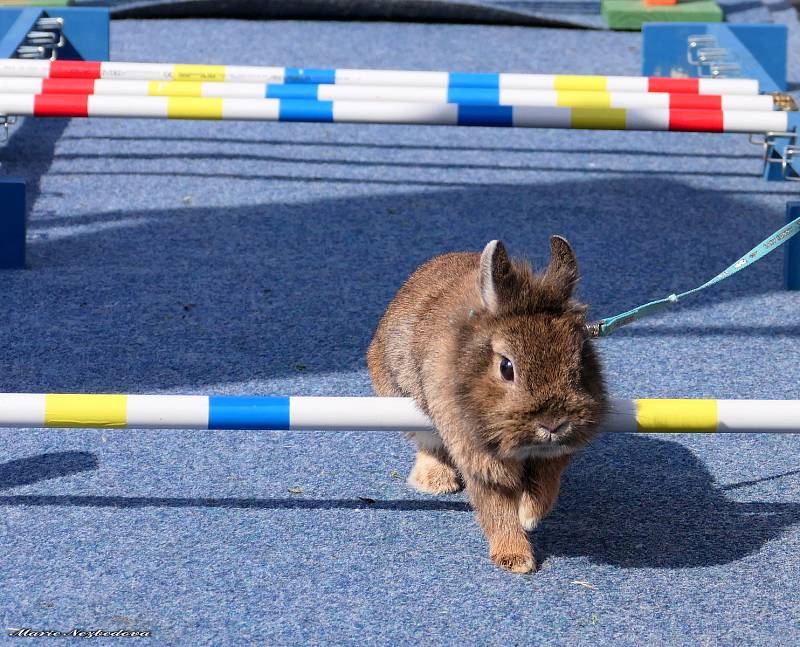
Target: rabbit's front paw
x,y
512,552
515,562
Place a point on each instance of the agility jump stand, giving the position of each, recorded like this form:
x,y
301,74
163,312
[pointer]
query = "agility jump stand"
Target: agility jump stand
x,y
35,410
719,51
64,33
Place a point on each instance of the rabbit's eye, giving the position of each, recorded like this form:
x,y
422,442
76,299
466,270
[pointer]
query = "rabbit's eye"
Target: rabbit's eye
x,y
507,369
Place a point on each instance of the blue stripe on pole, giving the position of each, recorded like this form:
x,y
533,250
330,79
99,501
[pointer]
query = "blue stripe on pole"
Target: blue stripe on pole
x,y
303,110
485,115
237,412
279,91
308,75
473,80
474,96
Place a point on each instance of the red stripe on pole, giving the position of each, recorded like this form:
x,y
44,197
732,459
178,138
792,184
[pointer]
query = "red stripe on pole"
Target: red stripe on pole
x,y
60,105
683,86
74,70
696,120
695,101
67,86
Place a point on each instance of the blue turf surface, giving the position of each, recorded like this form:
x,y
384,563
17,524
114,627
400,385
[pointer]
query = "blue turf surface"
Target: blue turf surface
x,y
242,258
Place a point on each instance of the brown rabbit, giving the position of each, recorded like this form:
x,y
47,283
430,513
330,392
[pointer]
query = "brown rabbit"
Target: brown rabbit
x,y
500,359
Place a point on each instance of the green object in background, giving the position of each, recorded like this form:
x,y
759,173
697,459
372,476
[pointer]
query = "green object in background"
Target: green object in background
x,y
632,14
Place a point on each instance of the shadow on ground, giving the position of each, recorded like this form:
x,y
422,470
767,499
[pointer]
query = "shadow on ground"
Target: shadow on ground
x,y
627,501
29,152
33,469
635,501
151,300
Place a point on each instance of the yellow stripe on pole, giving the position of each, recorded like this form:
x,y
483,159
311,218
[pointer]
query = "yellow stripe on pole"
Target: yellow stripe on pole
x,y
584,83
579,99
73,410
198,72
598,118
676,415
175,89
194,108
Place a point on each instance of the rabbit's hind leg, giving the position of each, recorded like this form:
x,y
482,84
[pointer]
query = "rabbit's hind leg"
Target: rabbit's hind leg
x,y
433,471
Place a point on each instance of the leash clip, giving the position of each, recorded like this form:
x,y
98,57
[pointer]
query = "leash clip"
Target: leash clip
x,y
593,329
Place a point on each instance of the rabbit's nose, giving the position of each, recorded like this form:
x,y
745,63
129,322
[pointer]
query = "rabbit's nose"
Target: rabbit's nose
x,y
553,427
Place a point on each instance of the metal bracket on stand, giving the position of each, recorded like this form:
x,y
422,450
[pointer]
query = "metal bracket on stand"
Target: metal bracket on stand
x,y
782,152
717,50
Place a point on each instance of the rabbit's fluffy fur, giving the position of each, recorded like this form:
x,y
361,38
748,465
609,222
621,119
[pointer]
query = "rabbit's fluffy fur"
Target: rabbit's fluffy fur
x,y
441,342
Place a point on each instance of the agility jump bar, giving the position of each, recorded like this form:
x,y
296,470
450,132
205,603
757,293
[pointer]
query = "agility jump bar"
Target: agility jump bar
x,y
329,92
386,112
26,410
246,74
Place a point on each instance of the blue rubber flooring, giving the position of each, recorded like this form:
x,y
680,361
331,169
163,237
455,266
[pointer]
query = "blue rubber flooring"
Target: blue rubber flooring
x,y
250,258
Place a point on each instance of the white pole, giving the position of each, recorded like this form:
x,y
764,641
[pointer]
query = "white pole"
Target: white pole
x,y
25,410
418,113
329,92
248,74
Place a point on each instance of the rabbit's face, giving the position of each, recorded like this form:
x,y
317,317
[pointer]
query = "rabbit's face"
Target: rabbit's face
x,y
528,376
532,385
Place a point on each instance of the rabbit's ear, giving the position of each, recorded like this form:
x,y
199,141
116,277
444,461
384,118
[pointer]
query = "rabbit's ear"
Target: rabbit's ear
x,y
562,272
495,268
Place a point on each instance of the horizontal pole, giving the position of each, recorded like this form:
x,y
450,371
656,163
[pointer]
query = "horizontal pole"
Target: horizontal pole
x,y
387,112
26,410
330,92
248,74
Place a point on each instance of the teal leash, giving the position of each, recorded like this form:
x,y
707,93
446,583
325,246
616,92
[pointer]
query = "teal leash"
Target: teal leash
x,y
605,327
